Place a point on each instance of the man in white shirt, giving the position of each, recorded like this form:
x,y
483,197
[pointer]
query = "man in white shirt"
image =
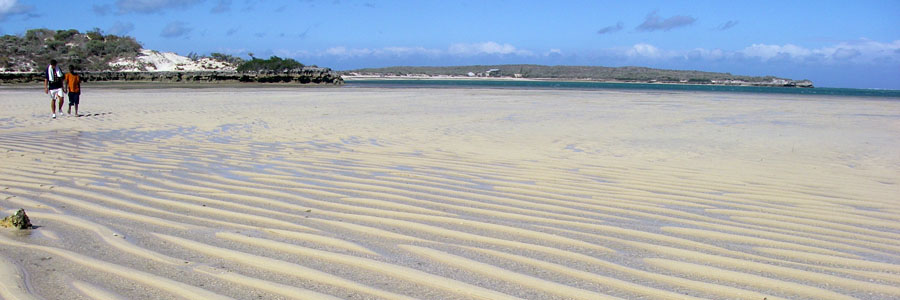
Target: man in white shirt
x,y
53,81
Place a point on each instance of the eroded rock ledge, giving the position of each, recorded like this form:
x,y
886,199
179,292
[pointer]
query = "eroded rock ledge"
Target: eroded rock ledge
x,y
300,76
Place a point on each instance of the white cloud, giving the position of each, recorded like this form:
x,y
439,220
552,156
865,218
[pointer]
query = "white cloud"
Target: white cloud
x,y
12,7
489,48
643,50
706,54
862,51
406,51
386,51
346,53
6,6
768,52
285,53
845,53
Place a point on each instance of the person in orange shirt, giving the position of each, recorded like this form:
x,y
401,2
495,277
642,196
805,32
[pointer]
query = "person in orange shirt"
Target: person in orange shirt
x,y
72,86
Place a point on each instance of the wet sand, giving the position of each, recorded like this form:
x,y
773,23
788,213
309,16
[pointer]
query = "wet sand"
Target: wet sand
x,y
365,193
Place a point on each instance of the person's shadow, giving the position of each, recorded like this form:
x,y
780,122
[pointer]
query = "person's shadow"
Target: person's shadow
x,y
94,114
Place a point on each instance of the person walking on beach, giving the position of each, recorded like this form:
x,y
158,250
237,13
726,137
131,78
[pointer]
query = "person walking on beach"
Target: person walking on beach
x,y
53,81
72,87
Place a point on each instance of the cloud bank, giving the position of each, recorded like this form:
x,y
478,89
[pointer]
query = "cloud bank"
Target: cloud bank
x,y
454,50
859,52
863,51
488,48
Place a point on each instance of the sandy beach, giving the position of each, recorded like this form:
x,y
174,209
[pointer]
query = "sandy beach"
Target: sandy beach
x,y
369,193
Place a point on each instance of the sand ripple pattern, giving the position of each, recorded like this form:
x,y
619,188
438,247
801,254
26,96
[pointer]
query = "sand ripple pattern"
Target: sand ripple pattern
x,y
199,214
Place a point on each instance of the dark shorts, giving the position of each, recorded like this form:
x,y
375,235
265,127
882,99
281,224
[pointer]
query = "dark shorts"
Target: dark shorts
x,y
73,98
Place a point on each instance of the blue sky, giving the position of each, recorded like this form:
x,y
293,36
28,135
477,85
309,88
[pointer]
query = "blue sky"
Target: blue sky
x,y
834,43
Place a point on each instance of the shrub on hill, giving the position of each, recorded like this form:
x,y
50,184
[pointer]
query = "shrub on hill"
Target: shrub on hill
x,y
234,60
273,64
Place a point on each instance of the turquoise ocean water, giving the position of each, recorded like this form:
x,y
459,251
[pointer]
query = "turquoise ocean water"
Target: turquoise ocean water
x,y
583,85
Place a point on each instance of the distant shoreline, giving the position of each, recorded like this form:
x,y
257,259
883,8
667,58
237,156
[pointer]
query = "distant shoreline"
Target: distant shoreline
x,y
452,77
626,74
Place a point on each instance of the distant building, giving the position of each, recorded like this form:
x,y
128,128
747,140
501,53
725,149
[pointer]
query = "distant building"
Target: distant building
x,y
492,73
471,74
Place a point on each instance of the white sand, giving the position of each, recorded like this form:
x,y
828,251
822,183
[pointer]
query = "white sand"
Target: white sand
x,y
359,193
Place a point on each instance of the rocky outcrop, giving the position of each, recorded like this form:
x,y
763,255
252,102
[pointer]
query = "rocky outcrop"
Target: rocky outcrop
x,y
801,83
301,76
19,220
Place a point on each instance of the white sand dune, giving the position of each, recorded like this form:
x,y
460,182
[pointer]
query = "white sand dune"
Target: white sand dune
x,y
151,60
363,193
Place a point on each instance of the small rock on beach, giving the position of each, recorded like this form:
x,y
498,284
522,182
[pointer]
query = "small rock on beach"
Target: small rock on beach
x,y
18,220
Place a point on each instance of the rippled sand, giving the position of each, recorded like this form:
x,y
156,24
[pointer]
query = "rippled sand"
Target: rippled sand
x,y
359,193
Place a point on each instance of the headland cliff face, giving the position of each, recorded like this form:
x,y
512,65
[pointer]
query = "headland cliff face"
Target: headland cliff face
x,y
324,76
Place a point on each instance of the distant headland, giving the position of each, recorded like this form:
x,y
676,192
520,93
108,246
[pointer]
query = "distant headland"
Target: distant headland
x,y
575,73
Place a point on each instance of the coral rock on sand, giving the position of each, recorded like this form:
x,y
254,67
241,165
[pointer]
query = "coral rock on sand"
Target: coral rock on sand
x,y
18,220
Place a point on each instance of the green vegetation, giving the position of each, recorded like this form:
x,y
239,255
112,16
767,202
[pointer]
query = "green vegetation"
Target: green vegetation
x,y
234,60
273,64
636,74
89,51
94,51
